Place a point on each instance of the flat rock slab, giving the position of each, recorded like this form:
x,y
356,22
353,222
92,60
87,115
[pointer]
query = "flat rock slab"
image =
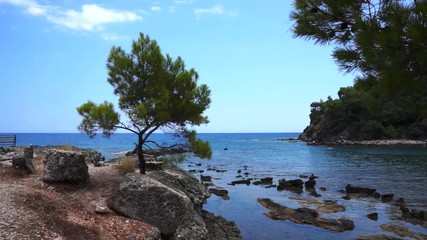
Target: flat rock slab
x,y
304,216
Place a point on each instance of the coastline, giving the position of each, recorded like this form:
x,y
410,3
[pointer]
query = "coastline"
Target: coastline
x,y
371,143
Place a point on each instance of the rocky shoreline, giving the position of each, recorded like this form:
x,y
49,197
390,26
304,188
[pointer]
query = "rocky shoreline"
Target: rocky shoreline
x,y
163,204
391,143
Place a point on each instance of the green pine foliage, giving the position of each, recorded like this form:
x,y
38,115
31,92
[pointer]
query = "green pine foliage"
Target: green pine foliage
x,y
156,93
384,43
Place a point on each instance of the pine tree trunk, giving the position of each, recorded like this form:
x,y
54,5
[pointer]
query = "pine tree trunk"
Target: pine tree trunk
x,y
140,153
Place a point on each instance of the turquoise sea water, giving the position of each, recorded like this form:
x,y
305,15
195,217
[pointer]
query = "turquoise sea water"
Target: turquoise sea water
x,y
398,170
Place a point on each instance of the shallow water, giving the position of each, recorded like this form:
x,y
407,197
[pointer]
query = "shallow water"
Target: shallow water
x,y
398,170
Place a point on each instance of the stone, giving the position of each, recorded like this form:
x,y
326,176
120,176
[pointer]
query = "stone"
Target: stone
x,y
387,197
146,199
353,189
310,183
322,189
373,216
243,181
65,166
99,209
23,163
205,178
219,228
330,206
312,177
220,193
267,181
403,231
29,152
304,216
92,156
177,178
288,185
378,237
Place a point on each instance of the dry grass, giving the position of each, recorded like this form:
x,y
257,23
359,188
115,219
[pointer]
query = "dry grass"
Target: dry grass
x,y
127,165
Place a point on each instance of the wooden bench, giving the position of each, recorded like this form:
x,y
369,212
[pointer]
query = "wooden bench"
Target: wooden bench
x,y
8,140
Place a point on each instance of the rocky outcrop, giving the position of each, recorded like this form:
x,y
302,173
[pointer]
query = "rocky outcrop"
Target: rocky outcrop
x,y
65,166
220,228
24,161
360,190
222,193
171,200
304,216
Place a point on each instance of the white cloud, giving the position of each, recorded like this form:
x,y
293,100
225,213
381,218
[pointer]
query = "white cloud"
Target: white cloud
x,y
91,17
213,11
156,9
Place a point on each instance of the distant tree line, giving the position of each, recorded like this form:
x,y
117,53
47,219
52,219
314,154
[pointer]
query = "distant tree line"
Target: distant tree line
x,y
384,43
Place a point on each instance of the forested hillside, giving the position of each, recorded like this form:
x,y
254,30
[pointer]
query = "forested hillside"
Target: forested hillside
x,y
384,44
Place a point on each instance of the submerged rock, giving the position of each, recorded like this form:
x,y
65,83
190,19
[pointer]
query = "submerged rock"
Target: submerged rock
x,y
220,193
304,216
403,231
219,228
353,189
373,216
243,181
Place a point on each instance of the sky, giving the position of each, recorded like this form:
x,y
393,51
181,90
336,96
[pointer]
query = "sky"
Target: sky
x,y
53,59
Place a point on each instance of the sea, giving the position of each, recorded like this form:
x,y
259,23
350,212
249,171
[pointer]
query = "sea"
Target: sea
x,y
391,170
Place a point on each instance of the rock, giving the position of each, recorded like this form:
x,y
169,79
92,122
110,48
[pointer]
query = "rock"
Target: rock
x,y
312,177
403,231
378,237
170,200
205,178
102,209
303,176
243,181
419,214
177,178
352,189
267,181
322,189
219,228
377,195
304,216
296,183
310,183
65,166
153,165
346,197
239,176
330,206
387,197
220,171
220,193
373,216
239,171
146,199
198,164
29,152
92,156
23,163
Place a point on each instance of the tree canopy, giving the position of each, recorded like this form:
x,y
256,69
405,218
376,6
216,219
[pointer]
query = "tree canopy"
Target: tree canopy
x,y
384,42
155,92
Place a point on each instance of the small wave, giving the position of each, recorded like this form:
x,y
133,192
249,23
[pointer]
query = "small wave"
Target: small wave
x,y
120,153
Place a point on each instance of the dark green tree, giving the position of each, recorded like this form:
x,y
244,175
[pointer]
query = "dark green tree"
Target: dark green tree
x,y
384,42
155,93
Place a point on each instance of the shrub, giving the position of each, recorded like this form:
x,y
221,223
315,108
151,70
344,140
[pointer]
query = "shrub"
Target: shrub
x,y
127,165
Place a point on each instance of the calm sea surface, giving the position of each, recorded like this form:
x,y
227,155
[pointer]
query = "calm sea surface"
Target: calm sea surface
x,y
398,170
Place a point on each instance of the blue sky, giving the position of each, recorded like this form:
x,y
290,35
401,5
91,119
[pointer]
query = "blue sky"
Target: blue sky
x,y
53,56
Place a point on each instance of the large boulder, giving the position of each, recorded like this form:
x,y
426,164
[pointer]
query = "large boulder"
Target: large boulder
x,y
162,204
65,166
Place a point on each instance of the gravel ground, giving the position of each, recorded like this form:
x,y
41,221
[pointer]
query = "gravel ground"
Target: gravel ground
x,y
31,209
